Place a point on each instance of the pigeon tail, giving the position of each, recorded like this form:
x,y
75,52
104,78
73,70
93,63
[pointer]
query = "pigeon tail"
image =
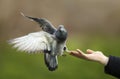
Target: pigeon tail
x,y
51,61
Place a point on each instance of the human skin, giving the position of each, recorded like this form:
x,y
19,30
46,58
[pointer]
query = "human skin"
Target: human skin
x,y
91,55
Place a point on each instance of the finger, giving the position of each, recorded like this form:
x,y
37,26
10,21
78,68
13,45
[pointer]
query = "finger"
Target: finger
x,y
80,52
89,51
74,53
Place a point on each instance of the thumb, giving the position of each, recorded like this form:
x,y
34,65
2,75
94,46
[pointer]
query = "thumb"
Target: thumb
x,y
89,51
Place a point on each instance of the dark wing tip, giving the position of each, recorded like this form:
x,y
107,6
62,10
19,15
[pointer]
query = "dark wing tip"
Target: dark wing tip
x,y
44,23
31,18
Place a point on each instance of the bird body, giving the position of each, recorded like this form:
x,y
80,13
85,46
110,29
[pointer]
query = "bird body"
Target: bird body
x,y
50,41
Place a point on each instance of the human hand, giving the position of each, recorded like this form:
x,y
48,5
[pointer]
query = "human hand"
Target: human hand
x,y
91,55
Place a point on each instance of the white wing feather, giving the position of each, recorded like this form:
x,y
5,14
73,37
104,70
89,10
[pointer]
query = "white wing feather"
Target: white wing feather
x,y
33,42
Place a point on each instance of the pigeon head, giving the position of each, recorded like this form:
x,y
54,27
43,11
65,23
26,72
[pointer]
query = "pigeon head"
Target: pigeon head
x,y
61,33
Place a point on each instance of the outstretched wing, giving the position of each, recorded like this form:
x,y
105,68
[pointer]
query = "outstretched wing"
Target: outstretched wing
x,y
44,23
33,42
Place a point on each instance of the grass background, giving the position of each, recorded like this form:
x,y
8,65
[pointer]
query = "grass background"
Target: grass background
x,y
20,65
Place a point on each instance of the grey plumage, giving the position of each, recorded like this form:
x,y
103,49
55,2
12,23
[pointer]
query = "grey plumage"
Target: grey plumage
x,y
50,41
44,23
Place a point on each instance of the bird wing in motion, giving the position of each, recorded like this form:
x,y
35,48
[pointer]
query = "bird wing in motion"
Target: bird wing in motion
x,y
44,23
33,42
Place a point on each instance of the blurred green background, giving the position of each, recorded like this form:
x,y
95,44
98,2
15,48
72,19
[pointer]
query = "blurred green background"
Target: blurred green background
x,y
93,24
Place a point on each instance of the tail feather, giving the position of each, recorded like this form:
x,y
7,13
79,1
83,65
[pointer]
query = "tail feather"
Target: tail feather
x,y
51,61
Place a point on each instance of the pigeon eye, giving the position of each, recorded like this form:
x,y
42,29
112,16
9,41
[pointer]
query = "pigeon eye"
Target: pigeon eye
x,y
64,48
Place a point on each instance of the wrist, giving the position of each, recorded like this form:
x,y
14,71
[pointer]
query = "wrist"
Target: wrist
x,y
104,60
